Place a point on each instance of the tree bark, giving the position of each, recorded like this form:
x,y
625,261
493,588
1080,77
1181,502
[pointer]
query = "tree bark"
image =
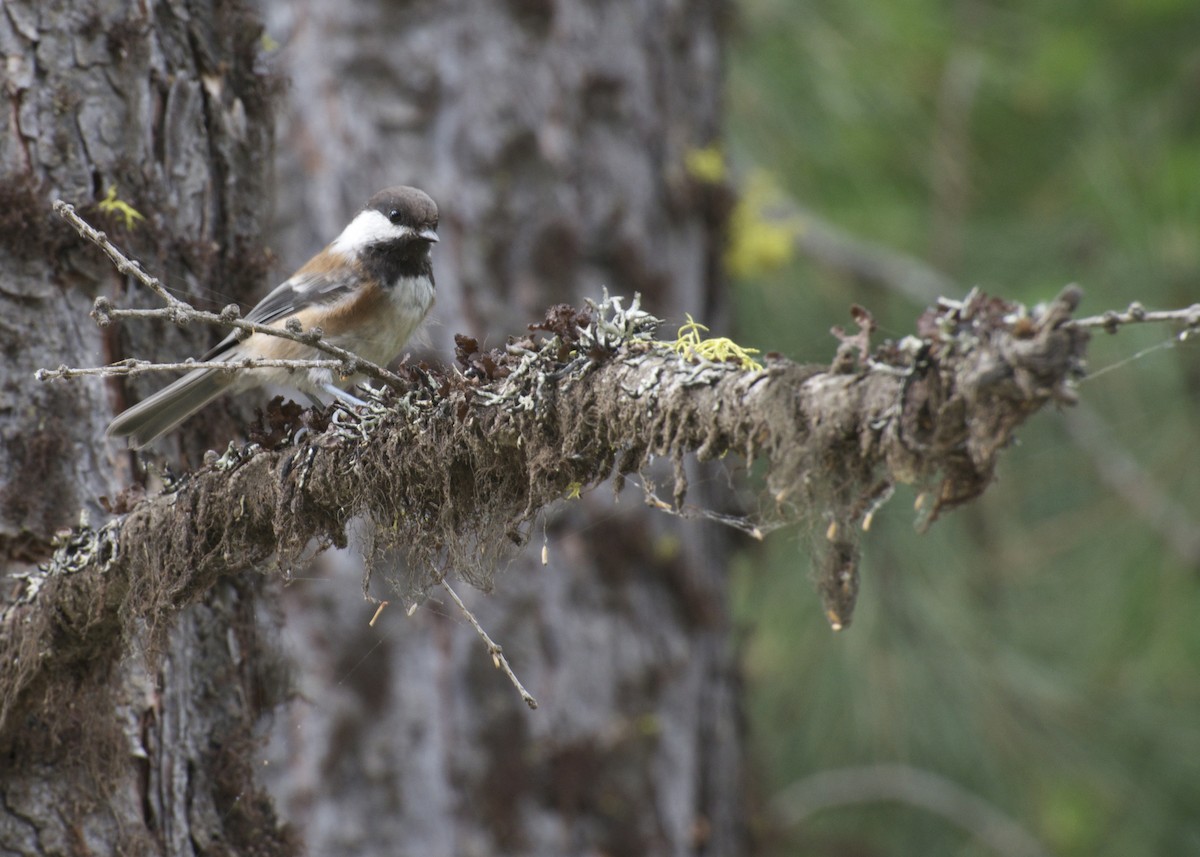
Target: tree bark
x,y
161,107
554,137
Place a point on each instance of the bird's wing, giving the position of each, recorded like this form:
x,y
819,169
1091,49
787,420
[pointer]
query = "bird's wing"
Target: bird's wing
x,y
310,285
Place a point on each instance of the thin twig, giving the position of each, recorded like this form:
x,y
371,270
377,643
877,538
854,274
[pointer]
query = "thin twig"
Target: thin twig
x,y
123,264
105,312
1137,313
133,366
378,610
497,652
181,312
756,530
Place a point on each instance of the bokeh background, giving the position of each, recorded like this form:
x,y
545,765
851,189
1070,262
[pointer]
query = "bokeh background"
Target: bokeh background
x,y
1035,657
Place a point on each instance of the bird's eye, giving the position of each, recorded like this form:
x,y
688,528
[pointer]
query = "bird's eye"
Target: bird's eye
x,y
394,215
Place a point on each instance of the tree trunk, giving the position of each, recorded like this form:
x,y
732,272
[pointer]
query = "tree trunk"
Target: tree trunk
x,y
135,752
554,138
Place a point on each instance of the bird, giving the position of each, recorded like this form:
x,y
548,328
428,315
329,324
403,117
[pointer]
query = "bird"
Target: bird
x,y
367,291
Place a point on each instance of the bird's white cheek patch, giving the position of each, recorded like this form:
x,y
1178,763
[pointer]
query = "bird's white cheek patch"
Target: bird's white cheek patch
x,y
367,228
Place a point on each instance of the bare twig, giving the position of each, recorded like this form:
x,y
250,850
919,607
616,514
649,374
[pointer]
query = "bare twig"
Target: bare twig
x,y
1135,314
181,312
123,264
756,530
496,651
133,366
378,610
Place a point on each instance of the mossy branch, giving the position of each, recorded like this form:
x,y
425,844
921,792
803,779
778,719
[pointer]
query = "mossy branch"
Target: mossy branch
x,y
452,470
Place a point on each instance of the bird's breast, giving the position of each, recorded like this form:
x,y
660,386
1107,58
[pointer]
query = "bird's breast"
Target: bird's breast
x,y
374,323
378,324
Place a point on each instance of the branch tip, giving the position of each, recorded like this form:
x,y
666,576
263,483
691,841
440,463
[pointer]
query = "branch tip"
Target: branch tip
x,y
494,648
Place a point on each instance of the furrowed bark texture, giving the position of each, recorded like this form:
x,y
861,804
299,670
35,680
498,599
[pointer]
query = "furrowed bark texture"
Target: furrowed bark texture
x,y
554,137
159,106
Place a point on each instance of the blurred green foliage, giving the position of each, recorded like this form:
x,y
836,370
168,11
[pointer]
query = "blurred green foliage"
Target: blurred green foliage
x,y
1041,647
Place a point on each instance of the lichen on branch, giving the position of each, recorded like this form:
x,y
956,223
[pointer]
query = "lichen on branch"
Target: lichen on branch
x,y
451,468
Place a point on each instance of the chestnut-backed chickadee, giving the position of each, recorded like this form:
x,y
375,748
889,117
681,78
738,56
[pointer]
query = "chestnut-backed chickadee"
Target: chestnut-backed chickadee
x,y
367,291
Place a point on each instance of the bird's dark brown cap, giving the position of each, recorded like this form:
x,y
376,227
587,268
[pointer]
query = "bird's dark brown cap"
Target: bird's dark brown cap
x,y
405,206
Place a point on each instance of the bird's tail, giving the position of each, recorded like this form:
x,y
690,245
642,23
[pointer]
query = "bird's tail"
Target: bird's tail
x,y
170,406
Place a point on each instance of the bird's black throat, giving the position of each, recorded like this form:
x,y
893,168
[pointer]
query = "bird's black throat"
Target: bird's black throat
x,y
388,263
